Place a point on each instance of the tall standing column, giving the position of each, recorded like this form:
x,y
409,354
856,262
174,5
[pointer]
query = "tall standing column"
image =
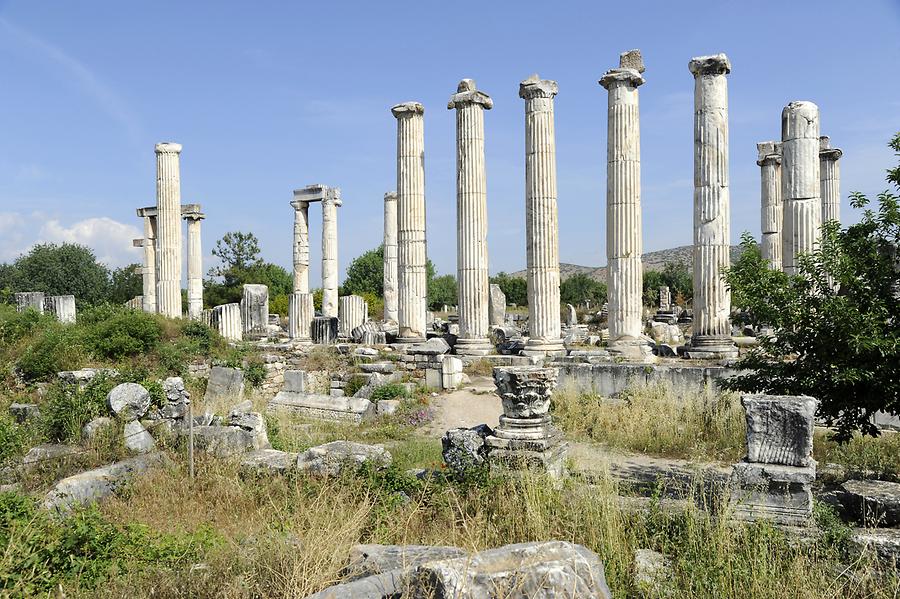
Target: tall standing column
x,y
330,204
390,256
301,246
711,336
769,162
829,180
624,245
800,182
541,220
412,300
194,266
149,272
471,219
168,207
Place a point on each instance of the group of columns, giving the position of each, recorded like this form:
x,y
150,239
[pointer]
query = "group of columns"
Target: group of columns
x,y
162,242
800,188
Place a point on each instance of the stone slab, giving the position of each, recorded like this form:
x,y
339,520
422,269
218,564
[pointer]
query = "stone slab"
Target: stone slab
x,y
323,407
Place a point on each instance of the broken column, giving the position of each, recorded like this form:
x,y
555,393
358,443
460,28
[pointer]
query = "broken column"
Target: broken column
x,y
30,299
301,246
711,337
194,264
148,243
471,219
526,437
352,312
226,319
774,480
541,220
168,206
330,204
390,256
769,162
62,307
497,306
800,182
255,310
411,252
829,180
624,246
300,316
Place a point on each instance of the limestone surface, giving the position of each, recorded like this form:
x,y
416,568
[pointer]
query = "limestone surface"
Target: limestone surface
x,y
137,439
128,401
464,448
224,384
779,429
331,458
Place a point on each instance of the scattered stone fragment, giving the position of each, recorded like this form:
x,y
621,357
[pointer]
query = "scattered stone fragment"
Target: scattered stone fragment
x,y
331,458
375,559
42,454
464,448
885,542
269,461
872,501
137,439
433,347
323,407
387,407
96,427
379,367
651,571
224,384
128,401
221,441
177,398
253,423
24,411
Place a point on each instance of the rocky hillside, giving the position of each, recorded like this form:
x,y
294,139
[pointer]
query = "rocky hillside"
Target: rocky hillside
x,y
652,261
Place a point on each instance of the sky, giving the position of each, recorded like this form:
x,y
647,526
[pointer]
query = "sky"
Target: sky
x,y
268,97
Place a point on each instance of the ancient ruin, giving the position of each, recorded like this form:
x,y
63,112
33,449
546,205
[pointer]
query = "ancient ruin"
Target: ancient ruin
x,y
330,198
772,209
800,182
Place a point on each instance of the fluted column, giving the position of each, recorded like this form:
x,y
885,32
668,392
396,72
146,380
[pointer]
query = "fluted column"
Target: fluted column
x,y
149,271
624,245
300,316
800,182
194,266
227,320
353,311
769,162
412,299
168,207
330,204
541,220
711,336
390,256
829,180
301,246
471,219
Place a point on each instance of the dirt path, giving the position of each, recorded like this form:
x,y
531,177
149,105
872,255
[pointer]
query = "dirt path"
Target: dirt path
x,y
472,404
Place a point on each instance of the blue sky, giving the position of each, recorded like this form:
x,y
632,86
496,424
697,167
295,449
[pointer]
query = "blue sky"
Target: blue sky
x,y
271,96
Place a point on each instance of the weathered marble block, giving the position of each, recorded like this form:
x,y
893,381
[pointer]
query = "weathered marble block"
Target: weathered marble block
x,y
62,307
255,310
324,330
323,407
30,299
496,306
779,429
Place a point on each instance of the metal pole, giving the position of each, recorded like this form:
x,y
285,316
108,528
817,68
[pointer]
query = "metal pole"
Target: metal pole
x,y
191,438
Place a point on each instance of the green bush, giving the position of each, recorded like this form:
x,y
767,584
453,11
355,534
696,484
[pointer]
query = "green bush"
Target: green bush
x,y
16,325
203,336
355,383
389,391
126,333
56,348
68,408
254,372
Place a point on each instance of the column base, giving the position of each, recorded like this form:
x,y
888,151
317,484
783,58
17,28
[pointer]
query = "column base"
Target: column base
x,y
632,348
535,348
711,348
411,340
473,347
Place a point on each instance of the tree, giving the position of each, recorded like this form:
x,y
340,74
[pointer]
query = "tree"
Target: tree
x,y
442,290
580,288
241,265
125,283
237,251
515,288
836,323
675,275
366,274
66,269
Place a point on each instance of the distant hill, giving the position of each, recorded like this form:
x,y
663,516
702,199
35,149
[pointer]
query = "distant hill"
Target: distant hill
x,y
652,261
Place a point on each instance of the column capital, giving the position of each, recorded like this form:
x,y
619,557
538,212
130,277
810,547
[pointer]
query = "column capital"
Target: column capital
x,y
717,64
621,75
193,215
168,147
333,196
390,196
826,152
467,93
535,87
299,204
769,152
631,59
407,109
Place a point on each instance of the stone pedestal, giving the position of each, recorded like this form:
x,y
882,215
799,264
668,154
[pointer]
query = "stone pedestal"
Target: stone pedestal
x,y
352,312
390,257
411,255
195,265
624,245
471,219
30,299
800,182
772,210
774,480
324,330
330,204
168,206
829,180
149,270
301,246
300,316
255,311
711,338
62,307
541,219
526,437
226,319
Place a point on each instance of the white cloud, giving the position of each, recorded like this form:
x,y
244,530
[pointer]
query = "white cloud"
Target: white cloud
x,y
110,239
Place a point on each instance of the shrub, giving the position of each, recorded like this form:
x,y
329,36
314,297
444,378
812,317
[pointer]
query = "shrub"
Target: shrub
x,y
16,325
355,383
389,391
56,348
68,408
202,335
126,333
254,372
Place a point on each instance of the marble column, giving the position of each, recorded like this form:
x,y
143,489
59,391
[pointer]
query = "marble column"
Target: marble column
x,y
30,299
149,270
769,162
711,337
301,246
800,182
412,297
330,203
390,256
471,219
541,220
829,180
255,310
194,265
168,207
624,244
300,316
353,311
227,320
62,307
